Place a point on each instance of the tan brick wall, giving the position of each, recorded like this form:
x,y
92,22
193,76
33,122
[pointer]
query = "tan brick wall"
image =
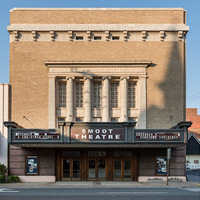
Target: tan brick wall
x,y
29,76
97,16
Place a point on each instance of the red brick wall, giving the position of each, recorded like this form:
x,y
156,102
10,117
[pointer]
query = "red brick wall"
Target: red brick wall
x,y
191,115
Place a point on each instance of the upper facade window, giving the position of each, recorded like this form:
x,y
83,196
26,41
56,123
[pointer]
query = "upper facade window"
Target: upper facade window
x,y
114,95
79,37
97,37
62,95
131,95
79,95
115,37
97,90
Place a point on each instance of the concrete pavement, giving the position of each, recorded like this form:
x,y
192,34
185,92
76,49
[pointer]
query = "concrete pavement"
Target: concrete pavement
x,y
80,184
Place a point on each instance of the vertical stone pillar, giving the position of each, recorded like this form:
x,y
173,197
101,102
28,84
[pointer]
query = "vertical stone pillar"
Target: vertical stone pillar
x,y
87,99
142,103
52,103
106,100
124,99
70,100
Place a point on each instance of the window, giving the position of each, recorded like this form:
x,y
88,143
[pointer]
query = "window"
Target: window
x,y
79,37
62,95
131,95
60,119
79,119
79,95
115,37
97,88
114,119
114,95
196,161
97,37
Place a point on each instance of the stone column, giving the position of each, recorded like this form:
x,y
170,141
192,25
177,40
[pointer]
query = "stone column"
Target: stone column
x,y
70,100
124,99
142,104
52,103
87,99
106,100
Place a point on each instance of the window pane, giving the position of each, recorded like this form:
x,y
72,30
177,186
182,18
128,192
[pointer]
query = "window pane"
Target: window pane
x,y
76,169
97,88
79,95
66,168
62,94
91,168
114,95
131,95
101,169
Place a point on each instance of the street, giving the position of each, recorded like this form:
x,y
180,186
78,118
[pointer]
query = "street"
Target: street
x,y
136,193
193,176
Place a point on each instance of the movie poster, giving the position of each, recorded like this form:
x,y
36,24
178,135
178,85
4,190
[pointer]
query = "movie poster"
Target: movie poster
x,y
32,165
161,166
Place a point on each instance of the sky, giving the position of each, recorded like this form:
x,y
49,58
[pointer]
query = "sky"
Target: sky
x,y
193,36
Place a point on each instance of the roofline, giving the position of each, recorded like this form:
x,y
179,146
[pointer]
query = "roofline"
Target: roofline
x,y
193,135
102,9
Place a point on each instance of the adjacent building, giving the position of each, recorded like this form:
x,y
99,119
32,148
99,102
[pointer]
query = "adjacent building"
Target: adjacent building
x,y
4,116
97,93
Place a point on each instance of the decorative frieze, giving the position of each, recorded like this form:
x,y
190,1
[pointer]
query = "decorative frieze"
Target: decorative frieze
x,y
70,34
88,36
180,36
162,35
144,34
125,35
34,35
52,34
107,34
15,33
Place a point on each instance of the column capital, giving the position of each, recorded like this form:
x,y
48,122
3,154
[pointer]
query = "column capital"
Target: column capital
x,y
88,77
70,77
124,77
106,77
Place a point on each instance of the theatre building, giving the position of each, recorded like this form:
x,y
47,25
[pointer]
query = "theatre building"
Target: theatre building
x,y
97,94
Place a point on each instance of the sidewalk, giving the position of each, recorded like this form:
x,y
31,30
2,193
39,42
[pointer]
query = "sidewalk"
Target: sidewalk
x,y
106,184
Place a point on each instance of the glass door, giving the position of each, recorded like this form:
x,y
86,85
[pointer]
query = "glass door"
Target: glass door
x,y
101,169
92,170
71,169
66,169
76,170
117,170
96,169
127,175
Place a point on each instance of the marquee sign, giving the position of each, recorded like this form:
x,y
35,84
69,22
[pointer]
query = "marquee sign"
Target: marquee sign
x,y
36,135
97,134
157,136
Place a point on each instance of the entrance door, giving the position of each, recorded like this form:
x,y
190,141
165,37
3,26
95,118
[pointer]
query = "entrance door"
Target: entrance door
x,y
96,169
71,169
122,169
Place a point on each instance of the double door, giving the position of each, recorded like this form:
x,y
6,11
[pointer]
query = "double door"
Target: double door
x,y
122,169
71,169
96,169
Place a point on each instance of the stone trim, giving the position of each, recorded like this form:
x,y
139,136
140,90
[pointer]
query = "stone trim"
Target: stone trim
x,y
96,9
111,63
98,27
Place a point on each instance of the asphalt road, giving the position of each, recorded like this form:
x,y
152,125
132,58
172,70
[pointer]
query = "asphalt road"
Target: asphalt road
x,y
193,176
140,193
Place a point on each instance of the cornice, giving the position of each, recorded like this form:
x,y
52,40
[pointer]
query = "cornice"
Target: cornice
x,y
98,27
67,9
97,63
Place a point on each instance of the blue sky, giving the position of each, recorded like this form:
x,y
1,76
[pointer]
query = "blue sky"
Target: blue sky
x,y
193,37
